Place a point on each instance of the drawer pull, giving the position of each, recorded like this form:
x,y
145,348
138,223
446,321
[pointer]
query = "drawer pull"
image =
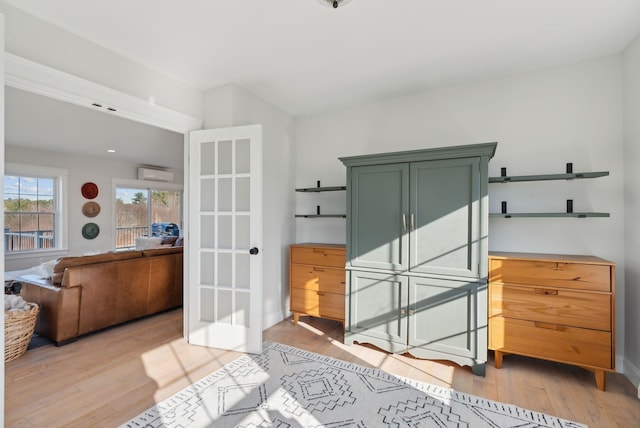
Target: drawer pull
x,y
320,294
318,250
343,282
315,269
546,291
548,326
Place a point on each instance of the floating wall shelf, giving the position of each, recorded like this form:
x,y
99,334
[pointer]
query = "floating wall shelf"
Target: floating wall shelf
x,y
545,177
318,189
576,215
569,175
321,215
322,189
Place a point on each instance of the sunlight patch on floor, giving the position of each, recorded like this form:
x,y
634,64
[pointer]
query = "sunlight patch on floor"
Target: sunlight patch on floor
x,y
407,366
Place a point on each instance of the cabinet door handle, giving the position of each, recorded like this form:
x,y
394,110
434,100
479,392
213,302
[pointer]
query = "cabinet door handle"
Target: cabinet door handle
x,y
403,312
413,226
546,291
404,222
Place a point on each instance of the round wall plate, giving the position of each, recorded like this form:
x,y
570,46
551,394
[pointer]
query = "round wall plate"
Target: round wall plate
x,y
90,230
91,209
89,190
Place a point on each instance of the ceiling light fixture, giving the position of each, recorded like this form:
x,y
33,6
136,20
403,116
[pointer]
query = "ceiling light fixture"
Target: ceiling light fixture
x,y
334,3
111,151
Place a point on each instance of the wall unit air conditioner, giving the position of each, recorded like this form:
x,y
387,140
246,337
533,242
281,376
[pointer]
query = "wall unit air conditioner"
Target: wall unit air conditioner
x,y
154,174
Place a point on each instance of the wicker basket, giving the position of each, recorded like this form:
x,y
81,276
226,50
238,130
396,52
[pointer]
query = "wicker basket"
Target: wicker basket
x,y
18,329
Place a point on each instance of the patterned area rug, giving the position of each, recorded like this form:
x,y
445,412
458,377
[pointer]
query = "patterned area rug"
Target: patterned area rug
x,y
288,387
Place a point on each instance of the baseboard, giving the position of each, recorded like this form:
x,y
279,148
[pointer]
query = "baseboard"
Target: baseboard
x,y
619,363
632,373
273,319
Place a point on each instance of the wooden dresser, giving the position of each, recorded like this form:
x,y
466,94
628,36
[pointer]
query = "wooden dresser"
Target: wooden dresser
x,y
555,307
317,280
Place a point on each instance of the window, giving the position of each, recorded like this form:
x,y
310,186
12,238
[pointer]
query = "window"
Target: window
x,y
33,214
146,211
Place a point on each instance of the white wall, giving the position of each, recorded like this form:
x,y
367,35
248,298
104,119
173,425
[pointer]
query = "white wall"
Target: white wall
x,y
541,121
81,170
632,209
39,41
233,106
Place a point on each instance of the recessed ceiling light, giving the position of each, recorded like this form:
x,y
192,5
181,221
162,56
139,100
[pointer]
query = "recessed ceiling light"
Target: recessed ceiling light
x,y
111,151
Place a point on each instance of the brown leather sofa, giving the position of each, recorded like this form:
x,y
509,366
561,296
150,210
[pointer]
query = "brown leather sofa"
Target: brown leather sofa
x,y
89,293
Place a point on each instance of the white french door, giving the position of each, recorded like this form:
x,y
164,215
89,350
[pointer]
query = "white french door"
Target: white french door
x,y
224,305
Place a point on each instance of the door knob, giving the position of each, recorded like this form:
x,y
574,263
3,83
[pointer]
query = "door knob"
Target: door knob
x,y
254,251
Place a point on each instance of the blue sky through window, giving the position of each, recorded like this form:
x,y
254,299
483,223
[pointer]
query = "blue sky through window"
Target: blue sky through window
x,y
31,188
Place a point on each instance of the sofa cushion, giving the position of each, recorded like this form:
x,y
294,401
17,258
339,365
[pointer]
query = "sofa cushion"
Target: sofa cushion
x,y
161,251
64,262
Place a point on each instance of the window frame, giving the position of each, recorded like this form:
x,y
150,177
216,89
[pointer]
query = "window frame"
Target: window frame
x,y
61,202
142,184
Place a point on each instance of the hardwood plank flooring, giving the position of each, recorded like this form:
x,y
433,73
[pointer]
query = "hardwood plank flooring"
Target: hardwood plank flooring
x,y
106,378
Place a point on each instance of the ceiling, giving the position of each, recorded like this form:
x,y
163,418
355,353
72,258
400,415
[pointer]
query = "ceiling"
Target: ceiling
x,y
308,58
42,123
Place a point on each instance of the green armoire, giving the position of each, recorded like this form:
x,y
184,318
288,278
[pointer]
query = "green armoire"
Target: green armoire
x,y
417,228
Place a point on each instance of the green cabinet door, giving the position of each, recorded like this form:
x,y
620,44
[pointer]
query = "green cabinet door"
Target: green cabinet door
x,y
376,309
448,320
445,217
379,210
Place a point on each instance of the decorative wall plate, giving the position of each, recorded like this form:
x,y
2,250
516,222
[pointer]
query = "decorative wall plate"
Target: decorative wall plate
x,y
89,190
91,209
90,230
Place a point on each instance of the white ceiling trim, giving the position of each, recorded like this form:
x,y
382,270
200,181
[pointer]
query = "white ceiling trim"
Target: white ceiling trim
x,y
33,77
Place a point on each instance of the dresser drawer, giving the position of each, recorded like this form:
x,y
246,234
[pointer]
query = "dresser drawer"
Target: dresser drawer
x,y
551,341
551,274
319,256
317,303
556,306
324,279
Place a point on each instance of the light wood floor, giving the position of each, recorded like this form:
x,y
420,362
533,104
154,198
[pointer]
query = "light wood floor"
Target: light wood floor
x,y
104,379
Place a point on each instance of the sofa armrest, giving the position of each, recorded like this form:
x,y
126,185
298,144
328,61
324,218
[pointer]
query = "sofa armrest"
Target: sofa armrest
x,y
59,307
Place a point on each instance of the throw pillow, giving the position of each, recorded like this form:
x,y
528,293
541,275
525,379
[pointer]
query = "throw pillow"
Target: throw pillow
x,y
169,240
148,243
46,269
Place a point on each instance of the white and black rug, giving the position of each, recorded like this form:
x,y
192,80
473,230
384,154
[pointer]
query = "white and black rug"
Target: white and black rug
x,y
288,387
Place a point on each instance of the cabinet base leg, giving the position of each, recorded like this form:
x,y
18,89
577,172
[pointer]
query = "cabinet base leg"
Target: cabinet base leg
x,y
497,355
479,369
600,380
296,317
